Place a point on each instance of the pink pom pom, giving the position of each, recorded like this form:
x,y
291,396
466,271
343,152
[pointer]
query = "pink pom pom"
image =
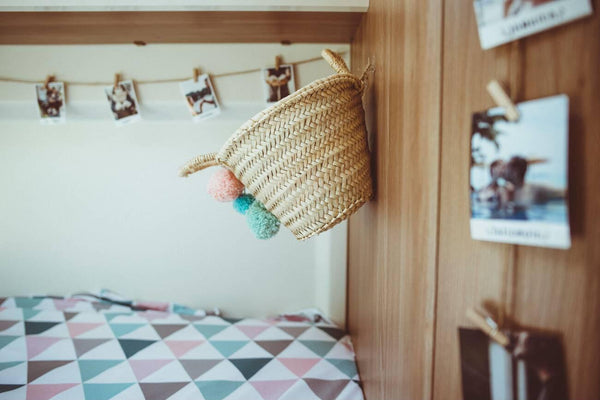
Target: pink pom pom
x,y
224,186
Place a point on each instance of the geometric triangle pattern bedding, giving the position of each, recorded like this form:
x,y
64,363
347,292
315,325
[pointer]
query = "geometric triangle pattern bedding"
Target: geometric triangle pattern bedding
x,y
77,348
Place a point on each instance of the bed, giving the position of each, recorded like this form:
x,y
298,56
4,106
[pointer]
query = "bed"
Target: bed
x,y
100,347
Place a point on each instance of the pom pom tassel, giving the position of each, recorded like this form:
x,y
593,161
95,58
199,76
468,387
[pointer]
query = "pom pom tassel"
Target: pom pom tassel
x,y
224,186
262,223
243,203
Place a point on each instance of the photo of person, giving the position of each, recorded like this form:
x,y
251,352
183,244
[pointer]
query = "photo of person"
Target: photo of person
x,y
51,102
123,102
531,367
516,7
518,175
502,21
200,98
278,82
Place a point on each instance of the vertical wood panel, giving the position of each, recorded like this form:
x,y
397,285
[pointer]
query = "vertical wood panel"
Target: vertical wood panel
x,y
392,282
367,245
470,272
560,290
550,289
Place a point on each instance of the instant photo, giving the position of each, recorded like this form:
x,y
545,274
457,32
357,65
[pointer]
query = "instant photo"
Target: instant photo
x,y
200,98
278,83
123,102
518,174
532,367
51,102
502,21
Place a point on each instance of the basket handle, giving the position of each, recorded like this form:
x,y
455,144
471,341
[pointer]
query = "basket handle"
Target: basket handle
x,y
335,61
199,163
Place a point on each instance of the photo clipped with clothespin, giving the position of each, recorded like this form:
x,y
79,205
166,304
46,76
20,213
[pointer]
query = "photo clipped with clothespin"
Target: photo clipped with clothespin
x,y
123,101
502,21
518,364
278,82
519,173
200,97
51,101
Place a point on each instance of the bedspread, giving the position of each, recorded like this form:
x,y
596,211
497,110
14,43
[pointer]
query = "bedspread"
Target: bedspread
x,y
85,348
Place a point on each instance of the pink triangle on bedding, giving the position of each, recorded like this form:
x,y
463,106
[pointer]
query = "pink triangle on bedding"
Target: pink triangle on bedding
x,y
272,390
252,331
144,368
78,328
45,392
180,347
38,344
299,366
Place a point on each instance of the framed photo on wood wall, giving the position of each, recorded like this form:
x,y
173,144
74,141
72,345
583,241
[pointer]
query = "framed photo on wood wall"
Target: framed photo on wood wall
x,y
531,367
519,174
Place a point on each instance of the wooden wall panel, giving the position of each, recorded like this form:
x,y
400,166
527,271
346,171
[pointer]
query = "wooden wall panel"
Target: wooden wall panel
x,y
560,290
469,271
413,268
539,288
365,285
392,271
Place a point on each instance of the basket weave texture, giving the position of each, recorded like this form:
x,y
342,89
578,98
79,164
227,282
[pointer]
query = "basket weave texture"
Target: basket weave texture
x,y
306,157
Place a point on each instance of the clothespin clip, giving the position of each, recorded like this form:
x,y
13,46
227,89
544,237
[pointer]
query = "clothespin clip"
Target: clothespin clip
x,y
196,74
277,62
488,326
117,79
501,98
49,78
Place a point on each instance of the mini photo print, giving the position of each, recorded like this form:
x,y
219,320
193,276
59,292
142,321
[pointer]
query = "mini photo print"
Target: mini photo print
x,y
51,102
502,21
531,367
123,102
278,83
518,175
200,98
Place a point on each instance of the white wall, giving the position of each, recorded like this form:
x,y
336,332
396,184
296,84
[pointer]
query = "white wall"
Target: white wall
x,y
88,205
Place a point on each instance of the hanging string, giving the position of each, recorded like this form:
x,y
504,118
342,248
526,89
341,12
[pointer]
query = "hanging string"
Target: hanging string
x,y
158,81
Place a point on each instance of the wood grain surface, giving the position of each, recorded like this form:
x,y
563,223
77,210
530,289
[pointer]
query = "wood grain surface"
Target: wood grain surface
x,y
176,27
413,268
393,239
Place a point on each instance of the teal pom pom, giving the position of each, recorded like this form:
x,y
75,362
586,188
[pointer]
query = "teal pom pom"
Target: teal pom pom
x,y
243,203
262,223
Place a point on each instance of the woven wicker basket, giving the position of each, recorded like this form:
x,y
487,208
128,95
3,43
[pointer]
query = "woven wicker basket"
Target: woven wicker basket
x,y
305,158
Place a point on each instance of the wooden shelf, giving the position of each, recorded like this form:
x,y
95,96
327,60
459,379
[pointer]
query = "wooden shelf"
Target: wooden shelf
x,y
75,27
186,5
179,21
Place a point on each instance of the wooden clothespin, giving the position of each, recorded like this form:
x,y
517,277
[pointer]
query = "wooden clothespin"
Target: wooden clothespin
x,y
49,78
117,79
277,62
196,74
488,326
501,98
